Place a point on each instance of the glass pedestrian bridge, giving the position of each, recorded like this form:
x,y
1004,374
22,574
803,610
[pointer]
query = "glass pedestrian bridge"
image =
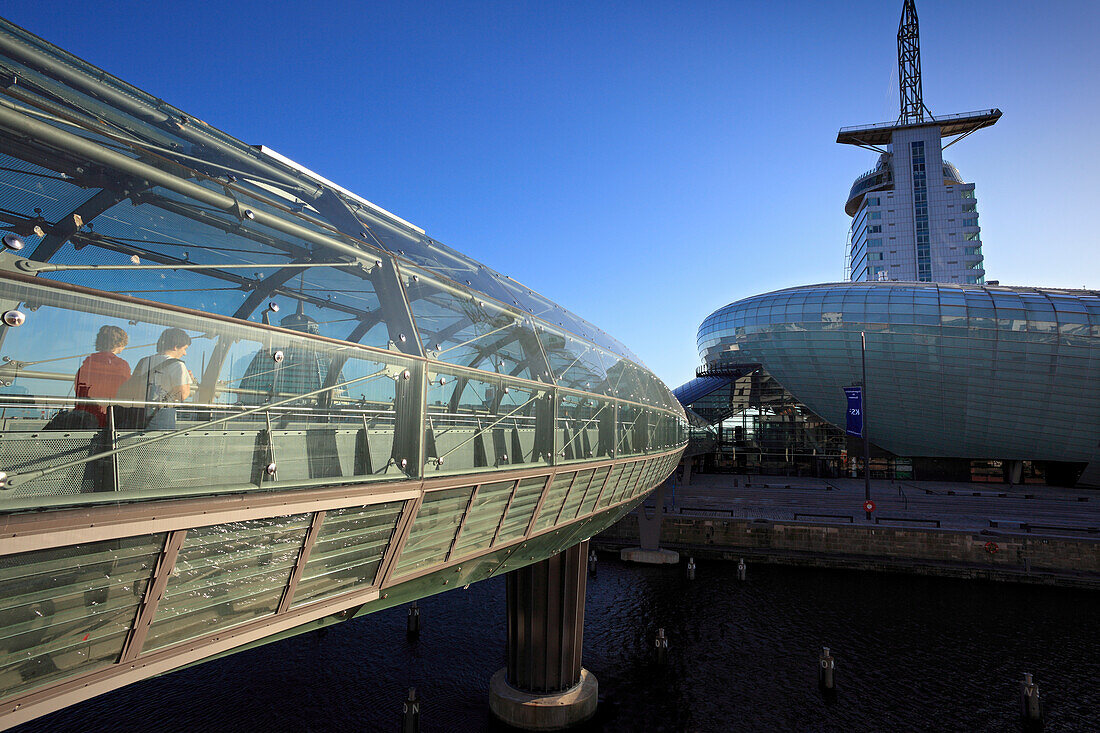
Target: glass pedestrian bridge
x,y
238,402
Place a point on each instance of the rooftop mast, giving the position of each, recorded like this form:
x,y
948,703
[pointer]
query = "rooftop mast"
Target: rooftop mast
x,y
909,84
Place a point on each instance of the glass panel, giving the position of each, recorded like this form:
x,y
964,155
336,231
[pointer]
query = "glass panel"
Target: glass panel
x,y
631,430
348,551
225,575
484,517
585,428
651,476
523,506
576,495
576,363
559,489
459,326
69,610
434,530
626,478
641,478
609,489
593,492
81,365
485,423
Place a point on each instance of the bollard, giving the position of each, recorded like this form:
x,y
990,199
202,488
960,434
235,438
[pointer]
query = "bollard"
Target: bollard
x,y
1030,706
741,569
592,563
826,669
410,713
660,647
691,568
412,629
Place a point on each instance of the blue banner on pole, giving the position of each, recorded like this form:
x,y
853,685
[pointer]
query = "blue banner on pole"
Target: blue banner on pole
x,y
855,410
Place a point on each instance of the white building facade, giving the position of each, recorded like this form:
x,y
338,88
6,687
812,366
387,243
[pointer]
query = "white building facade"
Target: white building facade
x,y
914,218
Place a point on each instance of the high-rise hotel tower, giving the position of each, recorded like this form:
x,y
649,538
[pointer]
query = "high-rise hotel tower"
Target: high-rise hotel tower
x,y
913,216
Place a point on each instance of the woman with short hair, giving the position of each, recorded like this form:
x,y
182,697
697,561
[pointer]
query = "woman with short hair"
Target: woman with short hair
x,y
102,373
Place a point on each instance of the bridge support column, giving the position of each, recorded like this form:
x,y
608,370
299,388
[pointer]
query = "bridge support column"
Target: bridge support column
x,y
544,686
649,536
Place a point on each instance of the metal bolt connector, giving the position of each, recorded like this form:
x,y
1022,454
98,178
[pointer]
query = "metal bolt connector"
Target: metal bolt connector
x,y
13,241
14,318
278,356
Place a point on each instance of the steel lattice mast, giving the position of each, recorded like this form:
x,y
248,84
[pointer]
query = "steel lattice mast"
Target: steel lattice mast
x,y
909,83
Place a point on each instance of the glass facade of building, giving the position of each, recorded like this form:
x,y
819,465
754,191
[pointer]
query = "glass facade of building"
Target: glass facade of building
x,y
341,413
1005,373
762,428
127,219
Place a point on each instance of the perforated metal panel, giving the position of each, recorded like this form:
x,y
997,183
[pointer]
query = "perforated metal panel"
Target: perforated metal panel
x,y
24,452
193,460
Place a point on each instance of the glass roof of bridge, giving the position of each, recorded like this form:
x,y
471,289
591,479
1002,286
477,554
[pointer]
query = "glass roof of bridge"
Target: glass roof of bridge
x,y
84,162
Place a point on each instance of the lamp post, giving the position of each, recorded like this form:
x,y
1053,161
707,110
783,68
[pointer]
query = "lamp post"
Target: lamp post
x,y
866,444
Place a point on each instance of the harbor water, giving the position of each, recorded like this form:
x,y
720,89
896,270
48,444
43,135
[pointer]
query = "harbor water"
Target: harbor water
x,y
912,653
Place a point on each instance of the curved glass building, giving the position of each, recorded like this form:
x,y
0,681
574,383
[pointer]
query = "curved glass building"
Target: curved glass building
x,y
1005,373
238,401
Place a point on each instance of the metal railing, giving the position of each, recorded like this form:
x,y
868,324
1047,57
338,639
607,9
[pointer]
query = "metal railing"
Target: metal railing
x,y
939,119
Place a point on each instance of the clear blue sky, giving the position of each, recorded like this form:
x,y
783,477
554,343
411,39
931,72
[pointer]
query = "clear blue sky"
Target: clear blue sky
x,y
641,163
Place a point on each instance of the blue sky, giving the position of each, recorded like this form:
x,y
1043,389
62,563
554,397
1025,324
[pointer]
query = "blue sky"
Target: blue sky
x,y
641,163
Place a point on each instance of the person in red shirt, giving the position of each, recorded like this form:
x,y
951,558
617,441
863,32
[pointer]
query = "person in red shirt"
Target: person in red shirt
x,y
103,372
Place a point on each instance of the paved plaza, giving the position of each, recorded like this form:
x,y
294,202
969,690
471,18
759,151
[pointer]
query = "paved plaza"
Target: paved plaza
x,y
1031,508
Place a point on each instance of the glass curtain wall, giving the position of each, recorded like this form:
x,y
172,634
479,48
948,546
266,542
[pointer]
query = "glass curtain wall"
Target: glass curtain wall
x,y
191,315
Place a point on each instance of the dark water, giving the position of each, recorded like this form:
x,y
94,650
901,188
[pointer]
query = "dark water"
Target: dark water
x,y
912,653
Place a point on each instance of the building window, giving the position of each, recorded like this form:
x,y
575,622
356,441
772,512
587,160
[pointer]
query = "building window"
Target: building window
x,y
872,201
874,229
920,211
970,222
874,256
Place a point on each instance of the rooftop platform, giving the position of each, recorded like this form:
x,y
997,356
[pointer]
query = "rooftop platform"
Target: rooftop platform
x,y
950,125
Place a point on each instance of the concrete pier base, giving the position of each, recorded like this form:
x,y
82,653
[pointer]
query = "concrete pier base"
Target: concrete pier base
x,y
543,711
649,535
544,686
649,557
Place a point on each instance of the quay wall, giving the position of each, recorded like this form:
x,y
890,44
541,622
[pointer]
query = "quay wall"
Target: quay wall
x,y
1020,557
